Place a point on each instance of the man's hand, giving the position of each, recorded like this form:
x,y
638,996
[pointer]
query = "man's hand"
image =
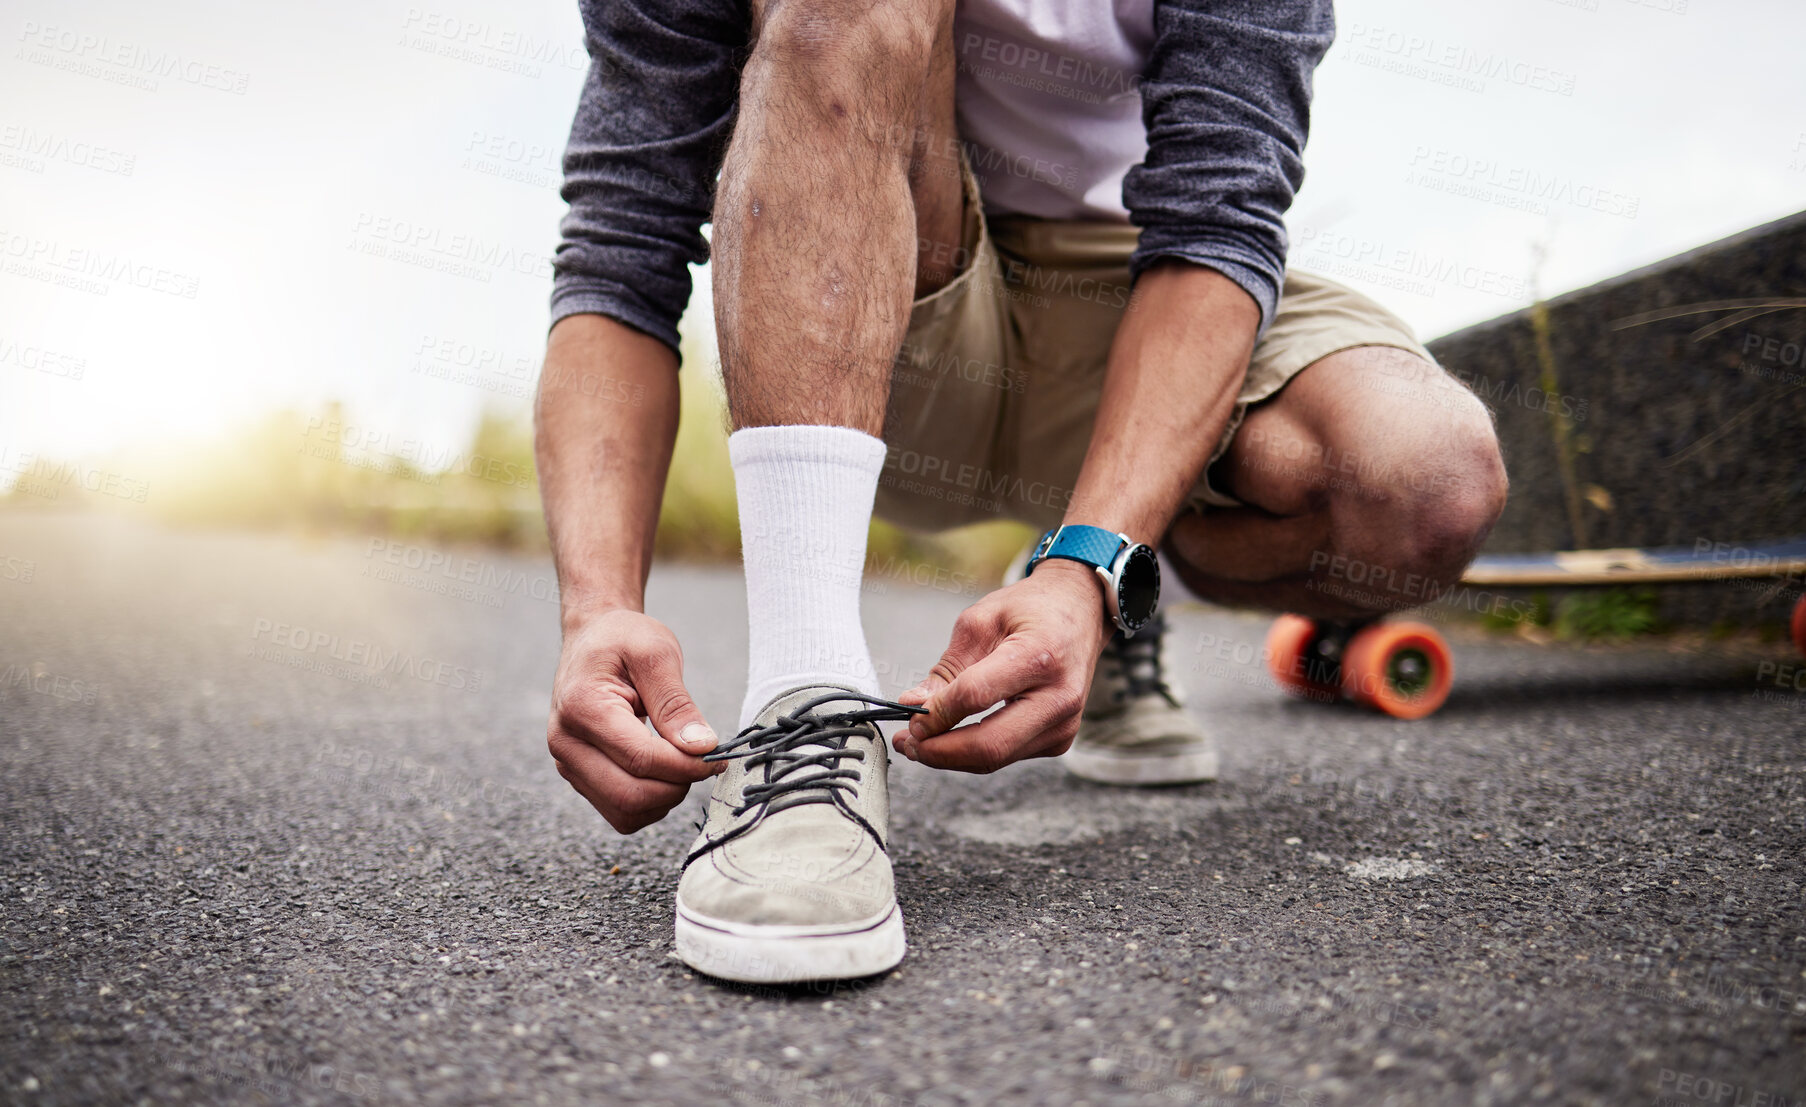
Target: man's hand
x,y
616,670
1176,366
1033,645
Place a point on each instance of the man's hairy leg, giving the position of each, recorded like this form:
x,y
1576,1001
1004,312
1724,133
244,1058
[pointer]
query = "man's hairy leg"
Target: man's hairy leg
x,y
816,244
844,142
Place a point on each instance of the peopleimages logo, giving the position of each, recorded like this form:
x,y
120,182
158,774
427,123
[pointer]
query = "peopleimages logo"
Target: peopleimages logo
x,y
507,48
1457,58
921,366
375,448
1025,65
87,269
118,61
319,649
1373,256
1719,1093
37,476
437,571
34,147
37,678
939,474
430,247
1514,186
42,359
475,357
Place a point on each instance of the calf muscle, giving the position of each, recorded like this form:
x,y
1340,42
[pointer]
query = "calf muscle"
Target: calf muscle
x,y
816,234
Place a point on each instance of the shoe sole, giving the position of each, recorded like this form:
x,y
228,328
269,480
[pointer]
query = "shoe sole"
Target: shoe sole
x,y
1189,767
790,954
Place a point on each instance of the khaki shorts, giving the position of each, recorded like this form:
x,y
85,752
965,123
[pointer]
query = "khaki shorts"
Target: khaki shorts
x,y
996,387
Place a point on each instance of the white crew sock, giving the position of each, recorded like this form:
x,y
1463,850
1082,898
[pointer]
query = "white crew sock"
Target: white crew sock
x,y
805,503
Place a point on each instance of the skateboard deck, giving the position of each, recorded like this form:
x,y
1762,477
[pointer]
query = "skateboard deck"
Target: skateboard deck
x,y
1701,561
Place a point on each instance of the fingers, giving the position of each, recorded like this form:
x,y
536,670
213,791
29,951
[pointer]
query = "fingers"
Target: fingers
x,y
974,633
657,676
628,803
1040,723
601,719
613,670
1012,668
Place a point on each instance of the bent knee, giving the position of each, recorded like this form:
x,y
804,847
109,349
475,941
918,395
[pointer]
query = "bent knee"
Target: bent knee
x,y
1432,509
844,49
1447,527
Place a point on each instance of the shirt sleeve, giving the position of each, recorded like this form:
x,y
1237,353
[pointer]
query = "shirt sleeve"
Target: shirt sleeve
x,y
1226,98
652,123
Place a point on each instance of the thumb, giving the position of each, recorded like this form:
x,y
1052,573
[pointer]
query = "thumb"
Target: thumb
x,y
658,679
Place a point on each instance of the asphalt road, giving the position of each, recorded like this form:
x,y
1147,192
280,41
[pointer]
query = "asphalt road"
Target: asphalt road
x,y
240,871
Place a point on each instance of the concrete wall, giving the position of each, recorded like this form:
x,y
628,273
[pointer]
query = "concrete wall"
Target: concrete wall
x,y
1663,407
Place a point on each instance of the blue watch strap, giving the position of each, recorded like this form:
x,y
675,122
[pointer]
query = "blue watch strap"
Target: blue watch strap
x,y
1093,546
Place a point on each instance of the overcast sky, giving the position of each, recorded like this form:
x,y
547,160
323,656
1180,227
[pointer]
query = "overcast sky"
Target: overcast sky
x,y
200,201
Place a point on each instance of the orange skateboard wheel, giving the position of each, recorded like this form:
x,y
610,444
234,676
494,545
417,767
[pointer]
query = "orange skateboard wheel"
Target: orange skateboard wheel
x,y
1287,640
1799,625
1402,669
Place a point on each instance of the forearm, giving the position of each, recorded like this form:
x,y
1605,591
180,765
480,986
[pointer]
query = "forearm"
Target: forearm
x,y
605,421
1175,369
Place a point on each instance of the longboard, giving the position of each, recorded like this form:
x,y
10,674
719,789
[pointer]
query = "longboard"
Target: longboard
x,y
1660,564
1405,669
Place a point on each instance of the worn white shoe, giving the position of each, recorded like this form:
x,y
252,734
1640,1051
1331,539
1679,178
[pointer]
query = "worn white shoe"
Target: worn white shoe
x,y
791,878
1135,729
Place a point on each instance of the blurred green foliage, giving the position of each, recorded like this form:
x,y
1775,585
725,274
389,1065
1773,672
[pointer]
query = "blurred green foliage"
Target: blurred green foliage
x,y
1606,613
324,473
1535,613
321,473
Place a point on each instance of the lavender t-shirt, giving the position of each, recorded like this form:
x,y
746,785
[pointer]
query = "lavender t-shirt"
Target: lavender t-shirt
x,y
1050,102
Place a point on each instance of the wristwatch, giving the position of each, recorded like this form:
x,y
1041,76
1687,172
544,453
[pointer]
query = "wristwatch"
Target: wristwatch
x,y
1130,571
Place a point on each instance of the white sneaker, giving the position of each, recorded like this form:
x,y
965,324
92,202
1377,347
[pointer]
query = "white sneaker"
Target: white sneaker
x,y
791,878
1135,729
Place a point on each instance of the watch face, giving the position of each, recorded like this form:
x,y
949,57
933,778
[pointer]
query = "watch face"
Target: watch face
x,y
1138,587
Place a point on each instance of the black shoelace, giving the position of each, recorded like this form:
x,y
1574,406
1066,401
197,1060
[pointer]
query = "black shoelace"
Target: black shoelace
x,y
1138,660
778,748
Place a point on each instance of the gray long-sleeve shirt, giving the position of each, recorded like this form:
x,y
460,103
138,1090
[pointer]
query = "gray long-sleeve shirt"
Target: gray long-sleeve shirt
x,y
1225,97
